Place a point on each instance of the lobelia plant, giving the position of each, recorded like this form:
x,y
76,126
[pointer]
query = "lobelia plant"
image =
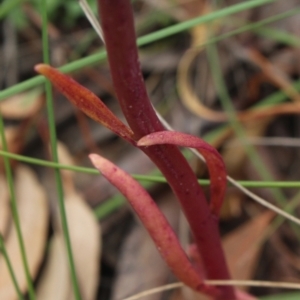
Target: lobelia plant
x,y
147,133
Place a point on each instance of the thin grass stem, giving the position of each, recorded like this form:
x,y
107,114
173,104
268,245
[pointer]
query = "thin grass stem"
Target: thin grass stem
x,y
155,36
243,189
218,14
279,36
53,142
140,177
258,27
239,131
279,220
15,213
228,107
10,268
7,6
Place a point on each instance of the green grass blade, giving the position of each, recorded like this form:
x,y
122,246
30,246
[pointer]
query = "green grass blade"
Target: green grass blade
x,y
279,36
53,142
10,268
142,41
228,107
7,6
145,178
216,15
109,206
285,296
258,27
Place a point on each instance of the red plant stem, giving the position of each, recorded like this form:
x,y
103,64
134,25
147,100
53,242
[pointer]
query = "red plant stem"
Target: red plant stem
x,y
118,27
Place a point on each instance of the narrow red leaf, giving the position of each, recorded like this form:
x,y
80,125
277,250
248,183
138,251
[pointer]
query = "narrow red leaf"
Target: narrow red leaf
x,y
86,101
214,161
155,223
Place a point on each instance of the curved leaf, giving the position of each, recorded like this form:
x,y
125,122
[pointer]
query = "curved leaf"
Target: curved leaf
x,y
214,161
155,223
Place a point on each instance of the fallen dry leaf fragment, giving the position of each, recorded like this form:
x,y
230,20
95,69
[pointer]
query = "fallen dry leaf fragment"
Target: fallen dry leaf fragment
x,y
85,240
67,176
243,245
33,214
23,105
274,74
85,236
55,282
4,206
14,141
187,95
84,232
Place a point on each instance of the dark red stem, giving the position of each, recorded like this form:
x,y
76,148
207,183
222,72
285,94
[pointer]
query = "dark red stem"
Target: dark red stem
x,y
118,27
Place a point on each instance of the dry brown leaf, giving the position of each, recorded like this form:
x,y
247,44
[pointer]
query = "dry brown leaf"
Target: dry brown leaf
x,y
234,162
4,206
22,105
55,282
66,159
232,207
172,9
243,245
85,235
188,95
192,102
85,239
13,140
33,214
278,77
287,253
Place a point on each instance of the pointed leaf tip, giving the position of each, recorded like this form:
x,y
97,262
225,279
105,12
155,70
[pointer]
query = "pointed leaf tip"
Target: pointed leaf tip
x,y
40,68
93,158
96,160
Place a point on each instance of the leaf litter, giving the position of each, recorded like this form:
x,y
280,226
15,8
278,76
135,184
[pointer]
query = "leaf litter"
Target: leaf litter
x,y
34,215
279,127
85,239
34,211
